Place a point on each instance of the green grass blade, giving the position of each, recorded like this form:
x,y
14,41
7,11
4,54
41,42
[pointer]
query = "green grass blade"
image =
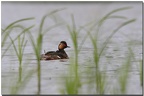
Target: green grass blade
x,y
7,33
21,85
112,12
123,76
51,27
15,48
24,47
117,17
24,30
45,16
55,11
10,25
108,16
111,35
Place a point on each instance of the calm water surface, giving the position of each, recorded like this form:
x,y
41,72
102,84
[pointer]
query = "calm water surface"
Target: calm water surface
x,y
53,71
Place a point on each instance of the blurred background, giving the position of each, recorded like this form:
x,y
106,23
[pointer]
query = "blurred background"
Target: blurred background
x,y
85,14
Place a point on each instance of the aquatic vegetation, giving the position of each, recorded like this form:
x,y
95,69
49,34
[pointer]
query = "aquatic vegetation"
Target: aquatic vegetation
x,y
73,80
18,48
100,77
6,32
37,45
19,52
100,80
124,73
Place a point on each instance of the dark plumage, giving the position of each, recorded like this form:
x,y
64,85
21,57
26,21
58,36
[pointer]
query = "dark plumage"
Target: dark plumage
x,y
59,54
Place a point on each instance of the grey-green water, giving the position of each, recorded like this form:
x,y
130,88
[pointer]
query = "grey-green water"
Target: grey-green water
x,y
53,71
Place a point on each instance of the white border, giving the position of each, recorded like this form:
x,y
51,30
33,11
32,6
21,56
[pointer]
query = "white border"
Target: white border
x,y
76,0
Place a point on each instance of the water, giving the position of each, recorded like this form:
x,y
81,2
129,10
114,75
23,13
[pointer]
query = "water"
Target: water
x,y
53,71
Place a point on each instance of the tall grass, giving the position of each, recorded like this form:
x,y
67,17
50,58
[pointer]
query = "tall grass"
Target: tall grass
x,y
73,82
124,73
37,45
7,31
19,52
17,87
18,48
100,77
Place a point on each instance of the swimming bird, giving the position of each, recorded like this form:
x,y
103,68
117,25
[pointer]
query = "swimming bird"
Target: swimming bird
x,y
59,54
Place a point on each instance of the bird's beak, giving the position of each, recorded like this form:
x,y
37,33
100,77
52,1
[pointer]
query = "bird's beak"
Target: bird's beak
x,y
68,46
